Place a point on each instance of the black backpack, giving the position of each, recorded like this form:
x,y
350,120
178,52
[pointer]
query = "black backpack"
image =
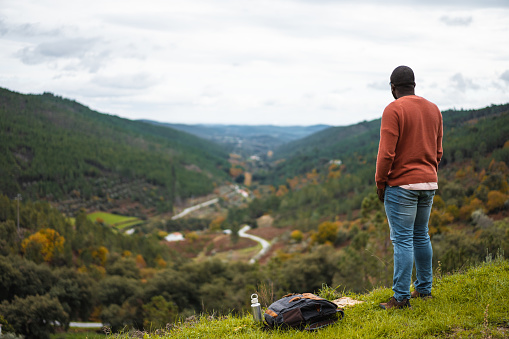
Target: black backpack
x,y
303,311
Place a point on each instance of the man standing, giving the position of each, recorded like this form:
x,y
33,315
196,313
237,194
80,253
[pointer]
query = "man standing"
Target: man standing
x,y
406,179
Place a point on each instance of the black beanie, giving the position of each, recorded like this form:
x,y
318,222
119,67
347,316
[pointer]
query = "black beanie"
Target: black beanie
x,y
402,75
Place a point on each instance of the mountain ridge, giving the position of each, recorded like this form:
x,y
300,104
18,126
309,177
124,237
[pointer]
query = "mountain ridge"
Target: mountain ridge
x,y
246,139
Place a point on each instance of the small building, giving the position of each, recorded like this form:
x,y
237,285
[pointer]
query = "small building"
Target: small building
x,y
240,191
175,236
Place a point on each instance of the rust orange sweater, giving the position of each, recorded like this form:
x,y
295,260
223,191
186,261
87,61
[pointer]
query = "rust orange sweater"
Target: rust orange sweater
x,y
410,142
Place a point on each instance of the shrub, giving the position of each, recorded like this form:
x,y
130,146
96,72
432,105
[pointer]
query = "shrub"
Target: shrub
x,y
495,201
33,316
297,236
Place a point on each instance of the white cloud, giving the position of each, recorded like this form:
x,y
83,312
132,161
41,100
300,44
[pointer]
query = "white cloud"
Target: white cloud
x,y
462,84
60,49
28,30
505,76
456,21
291,62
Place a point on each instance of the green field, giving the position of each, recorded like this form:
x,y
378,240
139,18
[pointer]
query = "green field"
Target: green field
x,y
114,220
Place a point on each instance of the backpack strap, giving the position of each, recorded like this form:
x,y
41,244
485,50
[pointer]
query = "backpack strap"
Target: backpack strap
x,y
271,313
304,296
311,296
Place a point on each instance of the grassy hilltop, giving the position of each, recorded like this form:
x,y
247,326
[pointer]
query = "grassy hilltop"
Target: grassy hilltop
x,y
468,304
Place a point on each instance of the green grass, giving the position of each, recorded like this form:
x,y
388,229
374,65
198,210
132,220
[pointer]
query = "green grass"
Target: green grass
x,y
469,304
114,220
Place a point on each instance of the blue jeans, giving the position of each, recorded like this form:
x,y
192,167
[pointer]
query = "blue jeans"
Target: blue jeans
x,y
408,214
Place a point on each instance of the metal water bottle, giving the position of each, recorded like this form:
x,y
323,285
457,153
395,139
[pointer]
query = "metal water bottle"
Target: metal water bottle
x,y
256,308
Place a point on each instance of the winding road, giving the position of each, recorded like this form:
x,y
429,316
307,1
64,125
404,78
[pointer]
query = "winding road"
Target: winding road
x,y
242,232
265,244
194,208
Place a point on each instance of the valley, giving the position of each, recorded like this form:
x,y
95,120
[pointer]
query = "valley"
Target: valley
x,y
101,198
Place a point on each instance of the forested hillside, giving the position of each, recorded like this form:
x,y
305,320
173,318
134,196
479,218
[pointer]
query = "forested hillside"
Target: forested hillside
x,y
331,228
340,161
356,145
59,150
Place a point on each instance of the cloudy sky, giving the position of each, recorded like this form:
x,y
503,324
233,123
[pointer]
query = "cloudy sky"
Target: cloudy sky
x,y
284,62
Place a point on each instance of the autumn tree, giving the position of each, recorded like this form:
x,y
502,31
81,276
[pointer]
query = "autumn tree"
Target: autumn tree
x,y
327,232
281,191
160,262
192,237
100,255
496,201
215,225
236,171
43,245
313,176
466,210
297,235
140,261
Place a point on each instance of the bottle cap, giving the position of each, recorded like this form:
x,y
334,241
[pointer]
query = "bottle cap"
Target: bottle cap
x,y
254,298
